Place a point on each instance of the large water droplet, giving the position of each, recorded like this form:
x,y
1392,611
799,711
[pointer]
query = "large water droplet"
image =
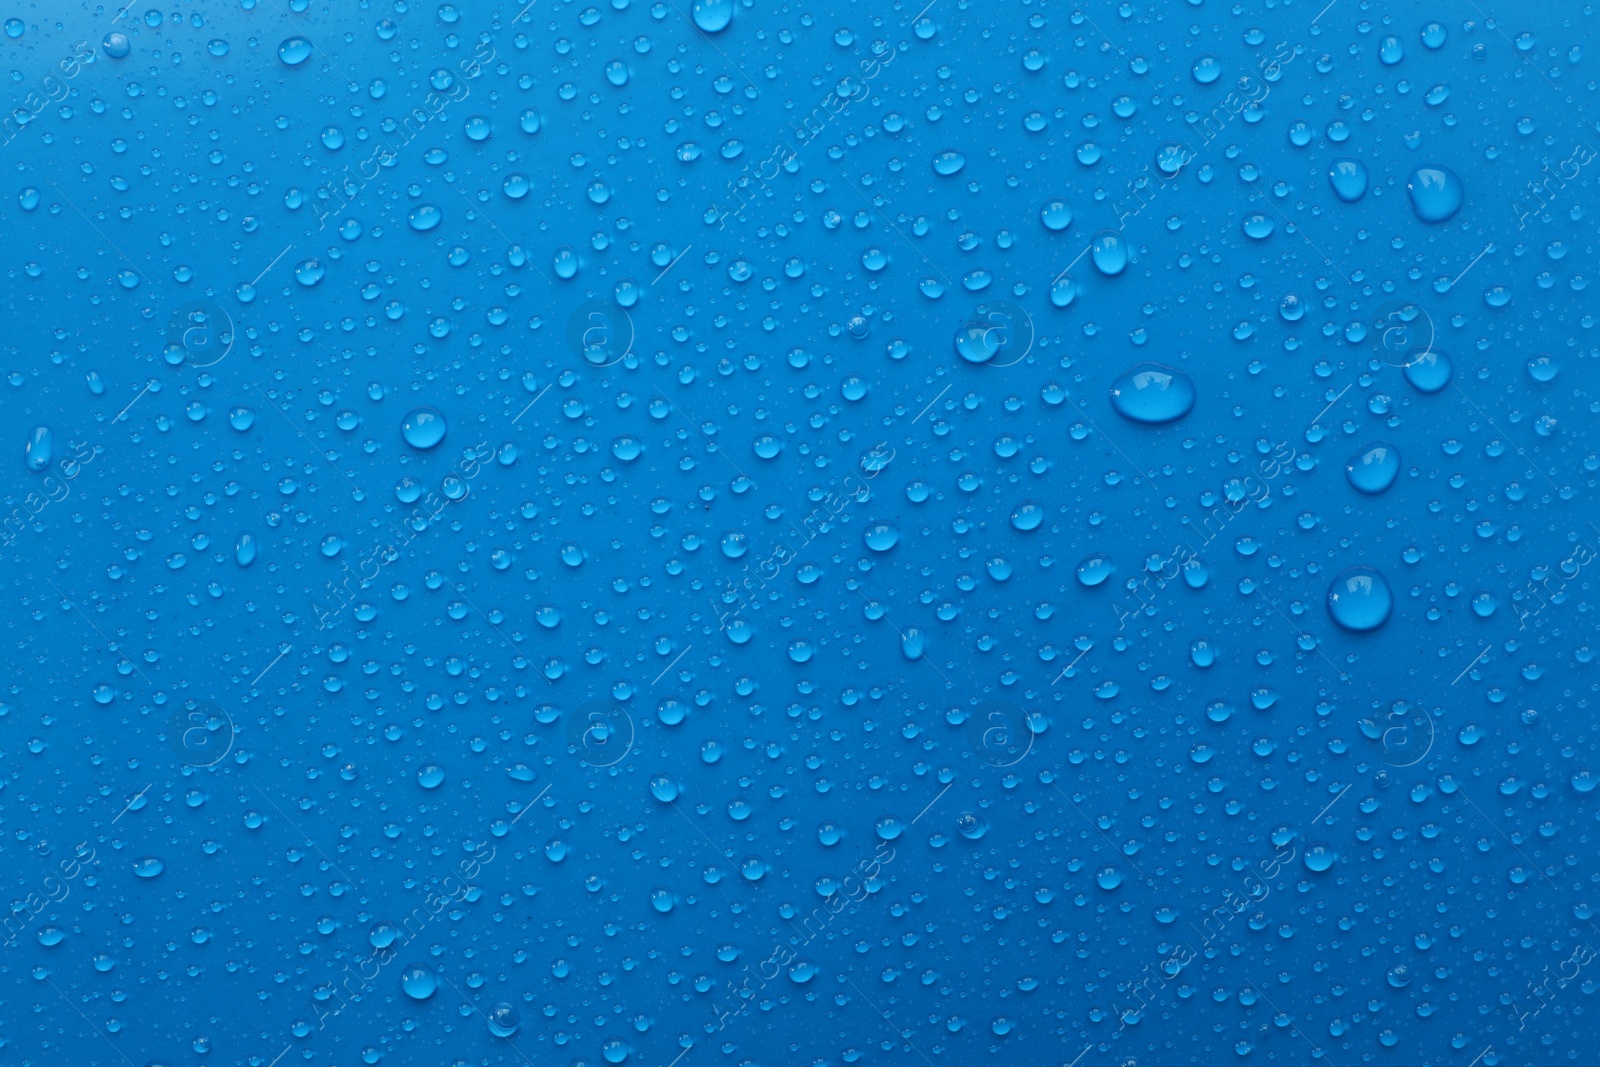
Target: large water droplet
x,y
1428,371
424,217
949,162
1360,600
976,342
1094,570
712,16
1056,215
503,1020
423,427
293,52
1152,393
40,448
1109,252
1348,178
419,981
1436,193
881,537
1374,468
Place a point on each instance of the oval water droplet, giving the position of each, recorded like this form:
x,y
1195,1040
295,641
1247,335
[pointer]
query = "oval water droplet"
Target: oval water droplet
x,y
424,217
1374,468
1056,215
1359,600
1153,393
39,449
1109,253
1094,570
419,981
1348,178
1428,371
712,16
423,427
293,52
881,536
1436,193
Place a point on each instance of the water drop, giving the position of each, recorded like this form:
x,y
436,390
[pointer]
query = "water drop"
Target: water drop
x,y
1152,393
881,536
1428,371
1109,253
293,52
418,981
1436,193
1359,599
1348,178
712,16
1056,215
424,217
1094,570
1374,468
423,428
39,449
